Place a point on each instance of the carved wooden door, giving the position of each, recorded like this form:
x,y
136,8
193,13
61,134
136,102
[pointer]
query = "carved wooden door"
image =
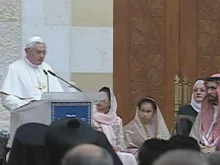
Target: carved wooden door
x,y
146,53
199,38
155,40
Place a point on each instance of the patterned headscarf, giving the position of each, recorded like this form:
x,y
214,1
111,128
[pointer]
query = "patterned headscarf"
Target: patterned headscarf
x,y
135,130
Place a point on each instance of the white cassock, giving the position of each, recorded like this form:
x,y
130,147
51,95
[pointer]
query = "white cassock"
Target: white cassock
x,y
24,82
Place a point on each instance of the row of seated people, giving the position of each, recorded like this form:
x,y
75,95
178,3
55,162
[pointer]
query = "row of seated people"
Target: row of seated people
x,y
200,119
39,144
149,123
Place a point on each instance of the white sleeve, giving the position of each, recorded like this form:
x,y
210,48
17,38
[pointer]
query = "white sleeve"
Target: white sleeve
x,y
11,102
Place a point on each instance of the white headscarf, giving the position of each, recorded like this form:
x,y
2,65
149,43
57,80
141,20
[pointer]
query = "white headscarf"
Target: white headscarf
x,y
196,105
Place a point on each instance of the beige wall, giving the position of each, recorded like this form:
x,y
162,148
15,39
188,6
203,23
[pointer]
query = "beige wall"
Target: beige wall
x,y
10,39
92,82
92,13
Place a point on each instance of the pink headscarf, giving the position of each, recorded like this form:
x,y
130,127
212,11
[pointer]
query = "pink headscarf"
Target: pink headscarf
x,y
207,116
104,121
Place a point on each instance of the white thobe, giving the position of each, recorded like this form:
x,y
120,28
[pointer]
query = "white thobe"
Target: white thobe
x,y
24,82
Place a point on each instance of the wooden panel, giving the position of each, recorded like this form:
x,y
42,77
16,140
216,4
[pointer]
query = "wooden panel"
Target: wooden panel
x,y
146,54
154,40
188,39
199,38
209,37
120,58
171,56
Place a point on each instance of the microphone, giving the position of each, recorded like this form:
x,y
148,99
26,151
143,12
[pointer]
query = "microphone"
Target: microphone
x,y
45,72
53,74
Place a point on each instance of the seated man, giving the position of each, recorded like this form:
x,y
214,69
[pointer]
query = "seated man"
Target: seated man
x,y
206,129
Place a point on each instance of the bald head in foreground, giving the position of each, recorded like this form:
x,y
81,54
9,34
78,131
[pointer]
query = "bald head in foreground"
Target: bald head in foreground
x,y
181,157
213,158
87,154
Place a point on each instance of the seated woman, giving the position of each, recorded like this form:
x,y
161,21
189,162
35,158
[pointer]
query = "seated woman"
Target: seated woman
x,y
106,120
148,123
192,109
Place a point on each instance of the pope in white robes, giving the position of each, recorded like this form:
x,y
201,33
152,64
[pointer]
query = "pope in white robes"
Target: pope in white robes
x,y
25,81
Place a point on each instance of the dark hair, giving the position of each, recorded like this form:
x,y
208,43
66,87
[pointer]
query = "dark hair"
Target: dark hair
x,y
146,100
107,91
152,149
184,142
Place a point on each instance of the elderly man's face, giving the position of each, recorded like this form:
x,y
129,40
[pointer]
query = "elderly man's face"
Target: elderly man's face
x,y
36,54
212,91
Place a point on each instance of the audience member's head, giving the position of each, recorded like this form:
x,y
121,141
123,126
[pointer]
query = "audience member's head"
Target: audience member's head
x,y
151,150
184,142
213,158
65,134
28,145
181,157
87,154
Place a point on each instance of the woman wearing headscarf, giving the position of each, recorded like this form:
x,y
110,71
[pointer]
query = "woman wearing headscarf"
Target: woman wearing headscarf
x,y
193,108
148,123
105,119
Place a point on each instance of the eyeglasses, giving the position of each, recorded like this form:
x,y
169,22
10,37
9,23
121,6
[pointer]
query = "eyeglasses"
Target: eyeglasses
x,y
198,90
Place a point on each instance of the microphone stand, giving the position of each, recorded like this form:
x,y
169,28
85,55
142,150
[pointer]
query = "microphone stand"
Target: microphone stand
x,y
64,81
48,84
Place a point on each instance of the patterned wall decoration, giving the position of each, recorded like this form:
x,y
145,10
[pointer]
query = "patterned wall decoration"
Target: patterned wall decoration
x,y
146,56
208,37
